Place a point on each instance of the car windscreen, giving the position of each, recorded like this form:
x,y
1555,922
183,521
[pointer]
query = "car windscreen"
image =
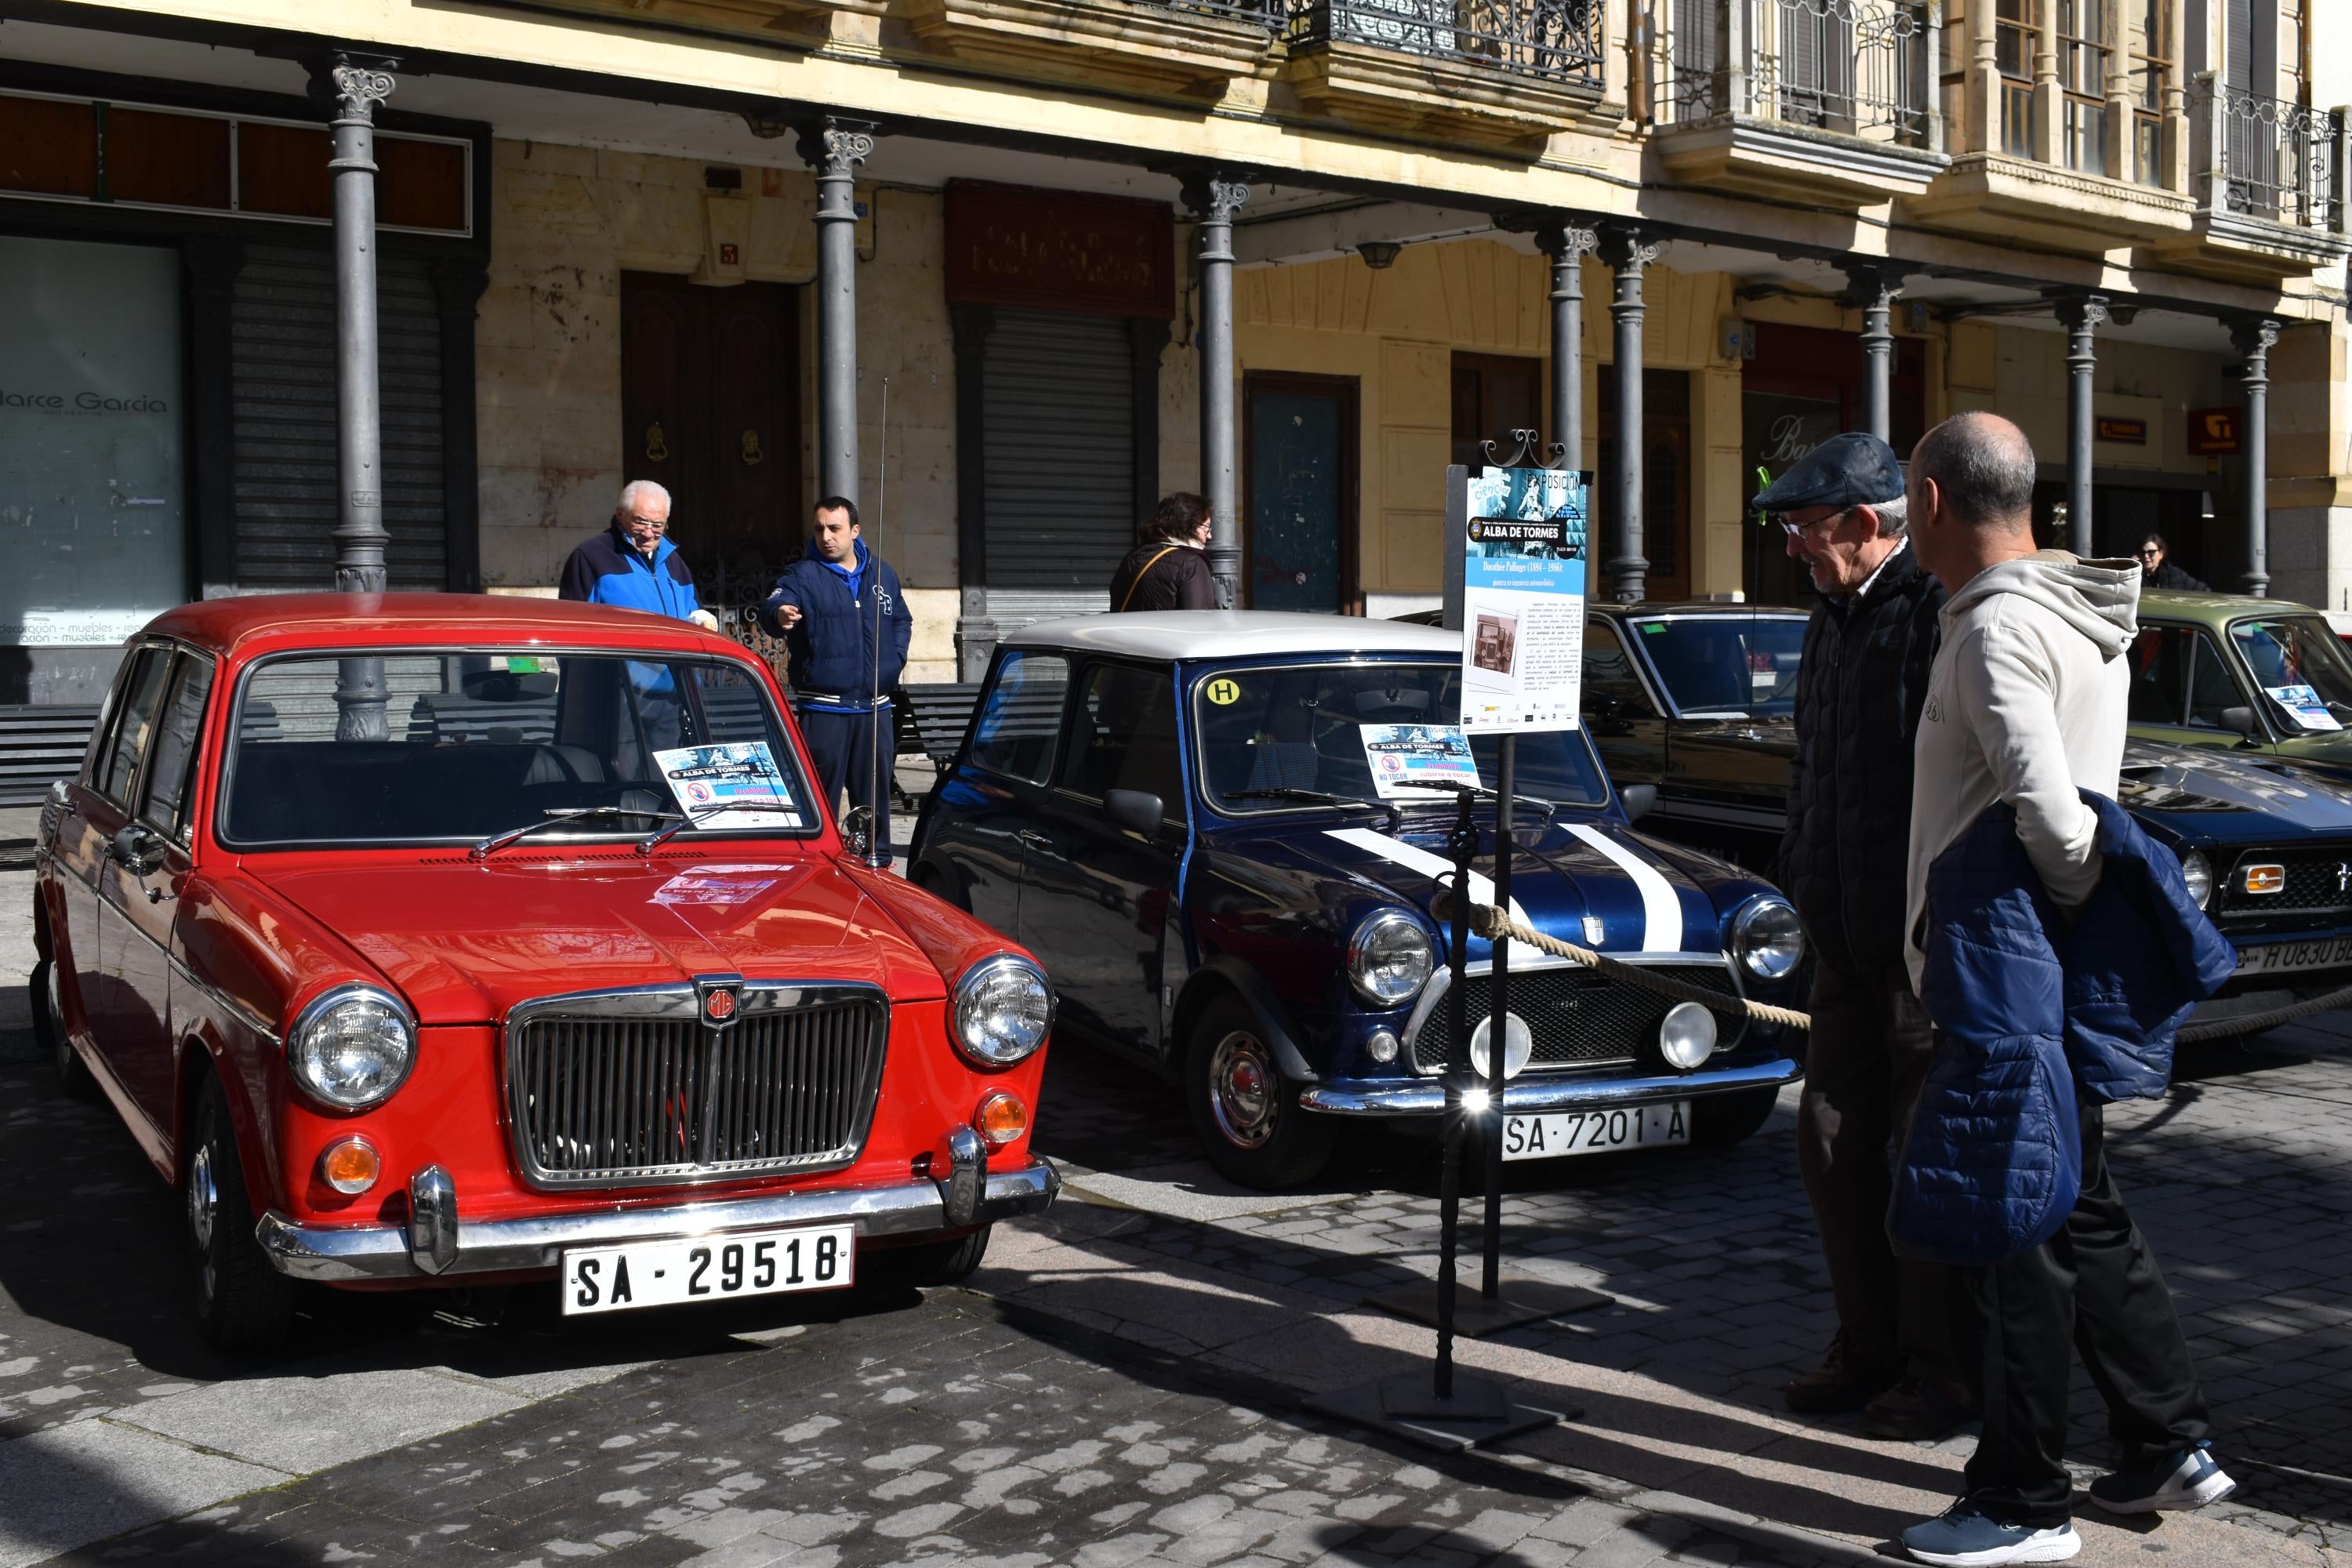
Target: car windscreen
x,y
1725,666
412,747
2298,664
1301,727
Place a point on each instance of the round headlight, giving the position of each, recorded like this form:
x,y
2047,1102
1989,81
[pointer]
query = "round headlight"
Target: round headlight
x,y
1686,1035
1388,958
1003,1010
352,1046
1768,938
2197,872
1518,1045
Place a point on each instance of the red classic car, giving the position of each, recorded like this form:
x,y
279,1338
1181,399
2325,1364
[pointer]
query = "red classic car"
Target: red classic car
x,y
429,939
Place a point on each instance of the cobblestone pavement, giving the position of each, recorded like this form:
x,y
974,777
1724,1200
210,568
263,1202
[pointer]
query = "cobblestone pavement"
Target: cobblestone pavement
x,y
2242,1179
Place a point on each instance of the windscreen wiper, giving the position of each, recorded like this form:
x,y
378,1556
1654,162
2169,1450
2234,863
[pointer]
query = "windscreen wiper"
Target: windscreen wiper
x,y
496,841
1318,797
701,814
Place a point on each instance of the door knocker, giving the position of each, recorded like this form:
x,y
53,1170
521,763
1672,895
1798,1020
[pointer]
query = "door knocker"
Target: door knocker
x,y
656,449
752,456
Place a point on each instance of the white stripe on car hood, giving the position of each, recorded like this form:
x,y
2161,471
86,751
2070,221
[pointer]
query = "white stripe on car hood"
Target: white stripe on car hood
x,y
1399,853
1661,912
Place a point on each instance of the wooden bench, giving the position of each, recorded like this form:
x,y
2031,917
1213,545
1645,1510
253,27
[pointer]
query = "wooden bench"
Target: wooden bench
x,y
38,746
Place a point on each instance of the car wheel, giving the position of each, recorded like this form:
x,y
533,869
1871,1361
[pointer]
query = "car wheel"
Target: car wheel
x,y
242,1303
1719,1120
932,1263
49,1029
1245,1109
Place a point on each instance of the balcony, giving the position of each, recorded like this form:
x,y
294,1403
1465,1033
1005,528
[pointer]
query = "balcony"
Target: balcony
x,y
2269,178
1501,72
1820,101
1193,47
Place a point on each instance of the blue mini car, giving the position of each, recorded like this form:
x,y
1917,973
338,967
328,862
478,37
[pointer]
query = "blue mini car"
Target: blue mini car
x,y
1175,812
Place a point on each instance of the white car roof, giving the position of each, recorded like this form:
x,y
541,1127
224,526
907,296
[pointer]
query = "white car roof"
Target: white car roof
x,y
1230,633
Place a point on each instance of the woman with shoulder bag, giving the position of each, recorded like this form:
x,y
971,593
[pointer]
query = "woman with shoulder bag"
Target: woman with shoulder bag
x,y
1168,569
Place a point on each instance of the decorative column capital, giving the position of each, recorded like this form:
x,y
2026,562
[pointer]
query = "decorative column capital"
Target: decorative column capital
x,y
2255,336
1872,285
347,85
1215,195
1621,247
1561,236
2081,312
834,146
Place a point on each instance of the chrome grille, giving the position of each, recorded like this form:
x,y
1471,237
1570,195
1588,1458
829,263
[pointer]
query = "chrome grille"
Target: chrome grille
x,y
632,1087
2318,882
1581,1019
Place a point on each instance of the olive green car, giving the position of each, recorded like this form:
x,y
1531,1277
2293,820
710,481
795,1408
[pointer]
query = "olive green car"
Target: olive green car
x,y
2215,670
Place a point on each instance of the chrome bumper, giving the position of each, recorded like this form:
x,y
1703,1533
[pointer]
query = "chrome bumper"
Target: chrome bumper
x,y
1426,1097
437,1245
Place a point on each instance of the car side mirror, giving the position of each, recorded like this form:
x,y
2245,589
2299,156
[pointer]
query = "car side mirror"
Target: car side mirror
x,y
137,850
2241,720
1132,809
857,831
1640,800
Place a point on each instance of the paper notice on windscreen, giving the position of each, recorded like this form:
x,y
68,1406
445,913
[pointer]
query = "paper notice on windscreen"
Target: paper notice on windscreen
x,y
1406,759
2304,706
729,786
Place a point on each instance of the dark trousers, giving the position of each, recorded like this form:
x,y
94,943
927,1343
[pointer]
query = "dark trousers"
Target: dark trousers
x,y
1864,1062
843,745
2095,1285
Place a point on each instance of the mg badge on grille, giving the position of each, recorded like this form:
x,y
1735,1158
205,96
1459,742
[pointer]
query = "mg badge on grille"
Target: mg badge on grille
x,y
720,1001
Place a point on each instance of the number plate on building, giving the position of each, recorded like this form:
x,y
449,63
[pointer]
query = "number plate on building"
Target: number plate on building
x,y
707,1269
1550,1136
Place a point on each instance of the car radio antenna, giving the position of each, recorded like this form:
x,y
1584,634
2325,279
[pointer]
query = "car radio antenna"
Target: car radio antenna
x,y
877,841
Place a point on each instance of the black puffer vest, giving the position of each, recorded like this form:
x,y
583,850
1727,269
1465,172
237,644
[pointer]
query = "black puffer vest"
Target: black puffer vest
x,y
1860,686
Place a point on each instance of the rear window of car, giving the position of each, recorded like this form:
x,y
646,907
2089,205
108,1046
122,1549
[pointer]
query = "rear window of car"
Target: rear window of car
x,y
473,744
1300,727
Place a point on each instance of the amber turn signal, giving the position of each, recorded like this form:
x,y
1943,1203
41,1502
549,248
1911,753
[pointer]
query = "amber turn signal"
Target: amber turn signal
x,y
350,1165
1001,1120
2264,878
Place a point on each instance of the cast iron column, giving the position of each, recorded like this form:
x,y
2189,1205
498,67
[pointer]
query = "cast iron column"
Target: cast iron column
x,y
2082,315
1566,244
2254,340
833,148
1214,198
360,535
1622,247
1873,288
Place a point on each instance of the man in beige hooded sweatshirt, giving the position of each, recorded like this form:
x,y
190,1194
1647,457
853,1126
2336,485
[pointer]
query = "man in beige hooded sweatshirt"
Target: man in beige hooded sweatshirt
x,y
2026,705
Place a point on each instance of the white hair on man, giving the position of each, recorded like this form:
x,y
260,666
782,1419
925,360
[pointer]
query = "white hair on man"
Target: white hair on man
x,y
636,491
1894,515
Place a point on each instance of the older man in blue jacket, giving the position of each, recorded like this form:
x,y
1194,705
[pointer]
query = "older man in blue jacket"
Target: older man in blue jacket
x,y
844,623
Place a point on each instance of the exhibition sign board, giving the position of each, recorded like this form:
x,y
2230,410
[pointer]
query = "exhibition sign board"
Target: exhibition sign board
x,y
1522,550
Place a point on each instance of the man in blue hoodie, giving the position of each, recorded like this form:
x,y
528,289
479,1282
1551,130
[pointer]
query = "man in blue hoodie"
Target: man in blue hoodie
x,y
844,623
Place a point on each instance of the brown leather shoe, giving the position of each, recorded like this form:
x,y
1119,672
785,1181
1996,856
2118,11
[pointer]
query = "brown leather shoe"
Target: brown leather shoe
x,y
1843,1382
1917,1409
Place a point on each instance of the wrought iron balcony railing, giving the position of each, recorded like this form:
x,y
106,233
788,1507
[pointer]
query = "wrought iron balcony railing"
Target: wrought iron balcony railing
x,y
2264,158
1559,40
1268,13
1858,66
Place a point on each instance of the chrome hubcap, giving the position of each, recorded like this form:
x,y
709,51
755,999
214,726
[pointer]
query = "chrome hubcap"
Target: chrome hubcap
x,y
204,1200
1245,1093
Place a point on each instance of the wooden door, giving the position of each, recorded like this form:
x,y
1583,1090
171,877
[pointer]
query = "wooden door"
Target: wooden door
x,y
1665,483
710,411
1495,394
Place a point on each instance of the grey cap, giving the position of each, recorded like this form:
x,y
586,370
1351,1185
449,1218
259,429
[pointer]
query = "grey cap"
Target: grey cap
x,y
1856,469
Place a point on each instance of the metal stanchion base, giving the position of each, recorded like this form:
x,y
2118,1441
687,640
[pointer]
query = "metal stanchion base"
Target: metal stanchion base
x,y
1521,1300
1481,1411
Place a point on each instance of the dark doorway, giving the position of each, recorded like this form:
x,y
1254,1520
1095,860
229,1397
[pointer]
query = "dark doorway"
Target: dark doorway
x,y
1494,394
1665,483
710,410
1805,386
1299,542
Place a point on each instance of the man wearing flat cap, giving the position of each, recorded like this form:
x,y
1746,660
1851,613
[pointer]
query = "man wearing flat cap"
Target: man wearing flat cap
x,y
1860,686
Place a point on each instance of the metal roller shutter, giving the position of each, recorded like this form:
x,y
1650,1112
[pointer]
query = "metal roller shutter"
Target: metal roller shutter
x,y
282,345
1057,434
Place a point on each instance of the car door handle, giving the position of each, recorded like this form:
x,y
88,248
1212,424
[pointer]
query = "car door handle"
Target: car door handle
x,y
1031,839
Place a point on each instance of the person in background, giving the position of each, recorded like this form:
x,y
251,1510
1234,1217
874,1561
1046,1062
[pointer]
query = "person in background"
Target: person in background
x,y
2155,572
1859,685
845,624
2026,707
1169,567
634,564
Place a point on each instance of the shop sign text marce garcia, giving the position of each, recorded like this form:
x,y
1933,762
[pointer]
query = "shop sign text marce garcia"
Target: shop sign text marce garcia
x,y
81,402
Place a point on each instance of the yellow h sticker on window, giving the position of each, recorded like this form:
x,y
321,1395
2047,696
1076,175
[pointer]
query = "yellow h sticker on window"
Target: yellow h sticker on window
x,y
1224,692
